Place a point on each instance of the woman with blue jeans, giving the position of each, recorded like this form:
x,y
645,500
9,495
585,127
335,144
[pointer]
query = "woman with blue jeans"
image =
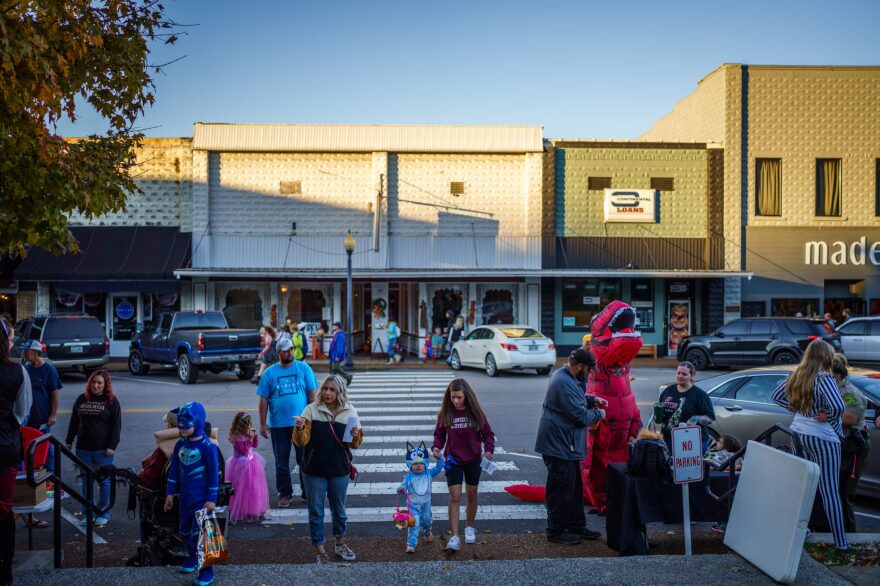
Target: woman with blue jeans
x,y
327,461
95,422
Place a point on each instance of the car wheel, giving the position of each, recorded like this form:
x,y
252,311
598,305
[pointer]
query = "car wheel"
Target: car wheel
x,y
543,371
136,364
491,367
246,372
698,358
456,360
187,372
784,357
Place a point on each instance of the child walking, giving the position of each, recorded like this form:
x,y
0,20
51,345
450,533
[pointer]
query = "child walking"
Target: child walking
x,y
463,432
417,486
193,478
245,470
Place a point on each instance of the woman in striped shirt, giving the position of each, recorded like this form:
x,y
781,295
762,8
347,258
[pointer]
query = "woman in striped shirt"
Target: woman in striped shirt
x,y
810,391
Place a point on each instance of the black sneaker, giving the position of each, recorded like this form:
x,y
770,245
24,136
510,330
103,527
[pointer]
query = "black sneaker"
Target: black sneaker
x,y
586,533
565,538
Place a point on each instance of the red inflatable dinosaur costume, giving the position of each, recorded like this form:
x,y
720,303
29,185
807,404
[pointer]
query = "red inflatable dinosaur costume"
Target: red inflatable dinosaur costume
x,y
614,345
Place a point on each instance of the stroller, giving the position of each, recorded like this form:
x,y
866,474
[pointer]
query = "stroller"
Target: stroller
x,y
161,543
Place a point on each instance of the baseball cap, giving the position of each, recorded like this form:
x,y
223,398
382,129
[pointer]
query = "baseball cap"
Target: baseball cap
x,y
33,345
283,345
338,324
581,356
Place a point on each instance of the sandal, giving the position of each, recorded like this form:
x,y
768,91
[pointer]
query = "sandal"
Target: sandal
x,y
36,523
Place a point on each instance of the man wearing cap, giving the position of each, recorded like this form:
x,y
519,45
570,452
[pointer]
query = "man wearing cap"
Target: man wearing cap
x,y
562,441
337,352
46,388
284,390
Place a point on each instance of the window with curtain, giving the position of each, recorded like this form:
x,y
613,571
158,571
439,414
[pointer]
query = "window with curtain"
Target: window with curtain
x,y
768,197
877,187
828,187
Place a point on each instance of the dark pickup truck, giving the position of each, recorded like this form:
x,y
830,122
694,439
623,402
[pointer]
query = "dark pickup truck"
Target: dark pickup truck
x,y
194,341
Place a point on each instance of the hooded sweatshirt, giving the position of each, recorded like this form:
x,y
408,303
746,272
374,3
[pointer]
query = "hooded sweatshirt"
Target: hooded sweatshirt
x,y
462,440
194,470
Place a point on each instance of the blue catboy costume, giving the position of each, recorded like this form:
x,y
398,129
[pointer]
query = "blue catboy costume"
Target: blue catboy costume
x,y
193,477
418,487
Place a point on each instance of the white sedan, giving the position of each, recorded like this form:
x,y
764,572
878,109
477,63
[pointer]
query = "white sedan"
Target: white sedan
x,y
505,347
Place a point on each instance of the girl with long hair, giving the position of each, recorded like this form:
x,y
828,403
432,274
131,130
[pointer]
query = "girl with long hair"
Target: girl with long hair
x,y
245,469
267,356
96,423
464,434
810,391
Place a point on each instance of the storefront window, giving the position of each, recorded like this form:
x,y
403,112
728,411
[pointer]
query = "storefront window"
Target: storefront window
x,y
497,307
95,304
156,304
305,305
67,302
754,309
583,298
451,299
243,308
793,307
642,295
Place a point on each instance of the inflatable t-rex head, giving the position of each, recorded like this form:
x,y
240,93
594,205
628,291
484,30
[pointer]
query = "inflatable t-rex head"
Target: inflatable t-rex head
x,y
615,341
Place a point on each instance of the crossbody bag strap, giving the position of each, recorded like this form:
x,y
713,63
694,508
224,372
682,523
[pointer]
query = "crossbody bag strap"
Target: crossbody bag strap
x,y
330,420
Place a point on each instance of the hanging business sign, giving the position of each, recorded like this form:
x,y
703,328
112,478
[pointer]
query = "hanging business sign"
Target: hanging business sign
x,y
631,206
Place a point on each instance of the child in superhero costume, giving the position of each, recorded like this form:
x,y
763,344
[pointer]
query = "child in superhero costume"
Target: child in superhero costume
x,y
614,345
417,484
193,478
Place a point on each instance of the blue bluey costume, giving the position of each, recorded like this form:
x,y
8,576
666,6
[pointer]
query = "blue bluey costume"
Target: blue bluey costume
x,y
418,487
193,478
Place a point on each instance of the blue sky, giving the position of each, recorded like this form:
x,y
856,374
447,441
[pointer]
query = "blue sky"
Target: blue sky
x,y
580,69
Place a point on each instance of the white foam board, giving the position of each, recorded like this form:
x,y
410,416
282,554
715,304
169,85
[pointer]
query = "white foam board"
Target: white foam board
x,y
771,508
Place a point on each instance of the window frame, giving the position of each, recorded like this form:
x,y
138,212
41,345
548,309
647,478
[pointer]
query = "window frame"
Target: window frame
x,y
820,187
759,161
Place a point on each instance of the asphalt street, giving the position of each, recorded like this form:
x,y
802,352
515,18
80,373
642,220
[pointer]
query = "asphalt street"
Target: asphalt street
x,y
396,406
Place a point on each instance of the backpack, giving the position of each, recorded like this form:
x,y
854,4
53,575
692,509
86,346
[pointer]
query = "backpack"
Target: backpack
x,y
300,345
650,457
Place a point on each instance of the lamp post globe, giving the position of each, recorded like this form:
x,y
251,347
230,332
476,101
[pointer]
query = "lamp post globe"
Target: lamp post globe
x,y
349,244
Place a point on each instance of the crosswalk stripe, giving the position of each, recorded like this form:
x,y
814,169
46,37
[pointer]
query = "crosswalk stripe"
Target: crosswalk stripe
x,y
397,439
400,467
374,428
383,514
395,452
395,395
438,487
410,408
375,402
387,418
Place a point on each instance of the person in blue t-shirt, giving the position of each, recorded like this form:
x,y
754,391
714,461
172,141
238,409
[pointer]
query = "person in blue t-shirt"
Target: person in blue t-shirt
x,y
284,390
46,388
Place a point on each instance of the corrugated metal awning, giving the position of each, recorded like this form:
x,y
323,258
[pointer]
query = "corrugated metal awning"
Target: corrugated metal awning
x,y
291,274
350,138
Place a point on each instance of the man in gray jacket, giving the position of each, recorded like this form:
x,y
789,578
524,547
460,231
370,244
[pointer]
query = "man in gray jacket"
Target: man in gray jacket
x,y
562,441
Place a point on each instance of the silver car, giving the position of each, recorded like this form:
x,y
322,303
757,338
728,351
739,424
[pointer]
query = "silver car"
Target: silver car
x,y
744,409
860,339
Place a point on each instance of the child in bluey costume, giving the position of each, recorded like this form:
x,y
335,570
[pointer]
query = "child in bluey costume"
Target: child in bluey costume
x,y
417,484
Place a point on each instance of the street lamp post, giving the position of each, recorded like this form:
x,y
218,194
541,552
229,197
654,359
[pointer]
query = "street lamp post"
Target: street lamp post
x,y
349,244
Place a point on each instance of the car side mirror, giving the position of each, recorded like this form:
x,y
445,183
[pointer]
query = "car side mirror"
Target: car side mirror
x,y
719,334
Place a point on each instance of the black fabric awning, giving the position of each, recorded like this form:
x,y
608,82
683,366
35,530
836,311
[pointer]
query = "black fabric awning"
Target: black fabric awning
x,y
123,256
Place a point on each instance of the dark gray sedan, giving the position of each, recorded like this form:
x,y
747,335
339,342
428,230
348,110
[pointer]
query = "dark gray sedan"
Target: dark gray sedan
x,y
744,409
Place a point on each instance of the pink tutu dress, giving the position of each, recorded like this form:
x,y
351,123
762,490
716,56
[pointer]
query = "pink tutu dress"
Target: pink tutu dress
x,y
245,470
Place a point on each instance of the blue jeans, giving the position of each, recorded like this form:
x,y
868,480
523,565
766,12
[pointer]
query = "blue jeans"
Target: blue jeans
x,y
334,489
391,352
422,514
281,444
95,459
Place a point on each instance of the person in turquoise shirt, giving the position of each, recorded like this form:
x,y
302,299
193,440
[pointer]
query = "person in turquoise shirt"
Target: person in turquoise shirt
x,y
284,390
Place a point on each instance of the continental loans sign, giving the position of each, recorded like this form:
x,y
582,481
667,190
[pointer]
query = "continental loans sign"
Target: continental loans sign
x,y
838,252
631,206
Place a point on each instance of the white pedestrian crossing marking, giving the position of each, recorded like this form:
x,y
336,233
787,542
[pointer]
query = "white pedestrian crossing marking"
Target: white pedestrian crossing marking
x,y
374,403
397,439
400,468
355,398
388,418
396,452
411,408
438,487
374,428
383,514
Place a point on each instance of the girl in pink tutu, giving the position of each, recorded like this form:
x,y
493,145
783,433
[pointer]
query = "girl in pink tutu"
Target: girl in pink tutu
x,y
244,469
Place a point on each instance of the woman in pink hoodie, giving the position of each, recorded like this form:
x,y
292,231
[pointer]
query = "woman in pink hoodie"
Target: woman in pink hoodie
x,y
464,431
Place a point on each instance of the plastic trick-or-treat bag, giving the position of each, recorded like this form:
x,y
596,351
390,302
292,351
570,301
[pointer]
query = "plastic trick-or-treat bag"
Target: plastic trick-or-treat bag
x,y
213,549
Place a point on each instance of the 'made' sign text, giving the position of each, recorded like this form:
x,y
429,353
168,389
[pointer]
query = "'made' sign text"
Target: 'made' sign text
x,y
839,253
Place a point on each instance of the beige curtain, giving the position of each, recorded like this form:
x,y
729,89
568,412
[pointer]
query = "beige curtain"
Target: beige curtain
x,y
828,180
769,174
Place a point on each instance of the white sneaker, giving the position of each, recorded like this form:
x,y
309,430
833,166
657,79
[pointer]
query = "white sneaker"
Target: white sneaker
x,y
470,535
454,544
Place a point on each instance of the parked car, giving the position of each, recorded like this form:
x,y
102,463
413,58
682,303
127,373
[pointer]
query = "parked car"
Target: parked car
x,y
505,347
70,342
744,409
194,341
756,341
860,339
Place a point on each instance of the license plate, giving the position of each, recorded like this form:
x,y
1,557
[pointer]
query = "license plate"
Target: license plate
x,y
77,349
534,348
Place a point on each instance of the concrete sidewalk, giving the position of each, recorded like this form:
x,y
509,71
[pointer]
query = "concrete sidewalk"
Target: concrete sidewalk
x,y
703,569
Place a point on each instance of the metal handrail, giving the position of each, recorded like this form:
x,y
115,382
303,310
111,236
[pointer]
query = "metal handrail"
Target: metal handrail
x,y
59,485
764,437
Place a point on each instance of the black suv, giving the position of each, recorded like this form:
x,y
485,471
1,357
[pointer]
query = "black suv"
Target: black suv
x,y
756,341
70,342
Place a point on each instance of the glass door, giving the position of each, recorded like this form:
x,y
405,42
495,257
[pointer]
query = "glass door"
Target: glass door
x,y
122,322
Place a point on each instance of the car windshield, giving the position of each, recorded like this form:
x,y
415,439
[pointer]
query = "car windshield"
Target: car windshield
x,y
869,385
521,333
713,383
74,327
211,320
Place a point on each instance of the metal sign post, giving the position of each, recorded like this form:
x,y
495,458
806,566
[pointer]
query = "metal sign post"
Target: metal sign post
x,y
687,464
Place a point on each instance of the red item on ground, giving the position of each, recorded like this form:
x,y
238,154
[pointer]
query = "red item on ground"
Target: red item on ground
x,y
28,435
527,492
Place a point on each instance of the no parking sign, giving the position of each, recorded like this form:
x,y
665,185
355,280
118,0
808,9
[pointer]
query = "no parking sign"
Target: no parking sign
x,y
687,454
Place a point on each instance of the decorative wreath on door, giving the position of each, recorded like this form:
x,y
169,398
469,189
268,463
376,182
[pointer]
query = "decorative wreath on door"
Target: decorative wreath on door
x,y
379,307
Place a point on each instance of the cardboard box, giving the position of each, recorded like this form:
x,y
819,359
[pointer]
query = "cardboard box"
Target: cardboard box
x,y
27,496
